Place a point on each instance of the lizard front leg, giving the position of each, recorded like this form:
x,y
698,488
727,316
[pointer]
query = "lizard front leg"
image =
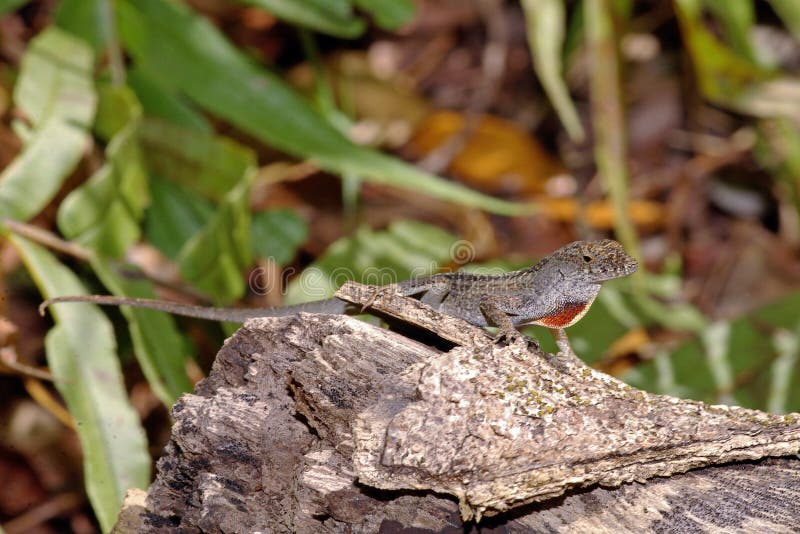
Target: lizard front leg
x,y
492,308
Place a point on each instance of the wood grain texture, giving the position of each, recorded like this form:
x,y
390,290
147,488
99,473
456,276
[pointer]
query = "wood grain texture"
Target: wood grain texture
x,y
322,423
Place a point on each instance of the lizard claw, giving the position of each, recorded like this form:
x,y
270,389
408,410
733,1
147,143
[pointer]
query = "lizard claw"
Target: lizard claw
x,y
509,337
375,294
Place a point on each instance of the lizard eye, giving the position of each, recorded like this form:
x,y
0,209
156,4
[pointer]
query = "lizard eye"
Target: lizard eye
x,y
587,258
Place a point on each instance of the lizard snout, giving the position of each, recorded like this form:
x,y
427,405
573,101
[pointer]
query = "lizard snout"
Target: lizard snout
x,y
630,266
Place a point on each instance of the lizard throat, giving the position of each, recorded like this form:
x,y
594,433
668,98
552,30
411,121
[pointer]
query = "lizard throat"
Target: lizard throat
x,y
567,316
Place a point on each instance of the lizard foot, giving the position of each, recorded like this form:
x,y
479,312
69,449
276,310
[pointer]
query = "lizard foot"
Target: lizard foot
x,y
513,336
375,294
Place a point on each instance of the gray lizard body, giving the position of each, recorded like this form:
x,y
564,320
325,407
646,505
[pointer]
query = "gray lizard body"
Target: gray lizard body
x,y
555,292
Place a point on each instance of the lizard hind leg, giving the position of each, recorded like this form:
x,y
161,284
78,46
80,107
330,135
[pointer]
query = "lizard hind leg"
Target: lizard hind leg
x,y
426,287
377,292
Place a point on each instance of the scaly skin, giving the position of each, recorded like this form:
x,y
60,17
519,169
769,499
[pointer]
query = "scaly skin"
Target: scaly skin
x,y
555,292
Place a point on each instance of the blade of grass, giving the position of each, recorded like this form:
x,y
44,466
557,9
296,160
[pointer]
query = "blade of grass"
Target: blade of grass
x,y
545,20
160,103
326,104
738,19
789,12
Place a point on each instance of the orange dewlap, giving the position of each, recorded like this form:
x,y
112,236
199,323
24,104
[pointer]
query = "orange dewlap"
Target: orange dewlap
x,y
569,315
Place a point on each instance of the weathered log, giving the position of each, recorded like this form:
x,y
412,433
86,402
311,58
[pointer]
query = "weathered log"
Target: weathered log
x,y
325,423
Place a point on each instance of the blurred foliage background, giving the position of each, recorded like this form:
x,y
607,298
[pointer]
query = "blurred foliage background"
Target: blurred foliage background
x,y
259,152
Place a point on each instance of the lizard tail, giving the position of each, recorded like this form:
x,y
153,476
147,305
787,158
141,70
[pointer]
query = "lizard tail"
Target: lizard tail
x,y
328,306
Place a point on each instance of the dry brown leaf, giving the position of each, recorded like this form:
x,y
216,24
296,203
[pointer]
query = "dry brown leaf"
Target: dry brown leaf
x,y
600,214
498,156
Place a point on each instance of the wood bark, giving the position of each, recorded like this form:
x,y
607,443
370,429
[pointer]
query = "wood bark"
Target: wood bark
x,y
321,423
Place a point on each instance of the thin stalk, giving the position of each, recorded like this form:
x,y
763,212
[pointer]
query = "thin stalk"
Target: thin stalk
x,y
326,103
608,117
116,63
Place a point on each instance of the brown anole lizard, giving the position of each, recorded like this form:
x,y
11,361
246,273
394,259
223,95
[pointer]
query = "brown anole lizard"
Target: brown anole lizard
x,y
556,292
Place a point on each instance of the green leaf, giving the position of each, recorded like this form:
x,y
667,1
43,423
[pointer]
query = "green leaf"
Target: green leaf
x,y
160,349
545,21
214,258
203,163
174,216
314,15
81,354
56,80
745,362
276,234
104,214
738,19
406,249
213,167
184,51
11,5
85,19
117,108
36,175
789,12
55,92
159,102
778,151
389,14
729,79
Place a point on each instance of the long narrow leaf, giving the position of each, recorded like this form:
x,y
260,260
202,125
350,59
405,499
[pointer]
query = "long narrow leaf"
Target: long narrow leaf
x,y
738,19
84,18
389,14
186,52
789,12
313,16
158,102
159,347
207,164
607,115
81,353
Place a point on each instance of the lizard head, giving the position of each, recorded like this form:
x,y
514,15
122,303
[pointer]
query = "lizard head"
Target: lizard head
x,y
593,261
571,277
